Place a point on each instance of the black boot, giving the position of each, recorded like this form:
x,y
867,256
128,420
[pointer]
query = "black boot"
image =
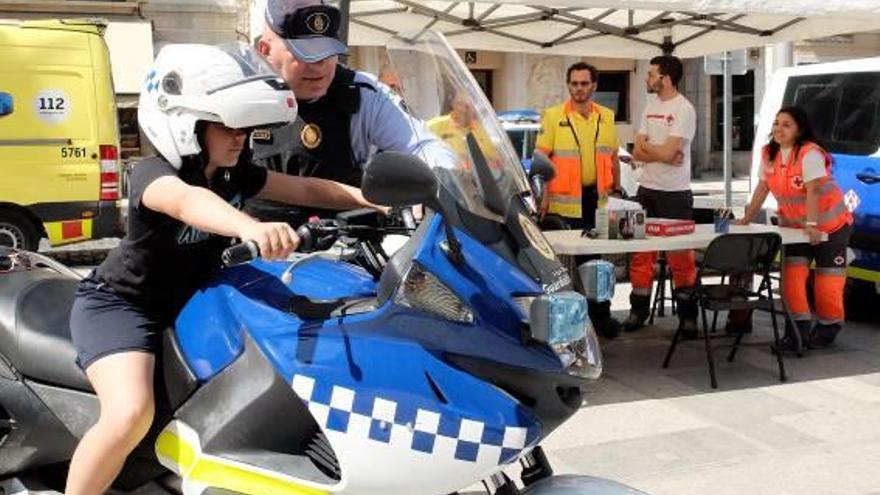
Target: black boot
x,y
687,319
823,335
804,329
638,312
603,322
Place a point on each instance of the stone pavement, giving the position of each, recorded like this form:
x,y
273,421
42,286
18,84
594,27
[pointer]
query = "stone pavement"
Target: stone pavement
x,y
667,432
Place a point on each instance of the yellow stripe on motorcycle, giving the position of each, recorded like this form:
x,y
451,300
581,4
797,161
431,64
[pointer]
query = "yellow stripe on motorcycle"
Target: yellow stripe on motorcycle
x,y
199,469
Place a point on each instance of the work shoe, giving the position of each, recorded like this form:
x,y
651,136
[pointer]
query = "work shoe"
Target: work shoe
x,y
790,340
638,313
607,327
687,319
823,335
633,322
600,315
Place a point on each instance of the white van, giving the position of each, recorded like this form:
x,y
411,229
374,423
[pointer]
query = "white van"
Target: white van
x,y
842,100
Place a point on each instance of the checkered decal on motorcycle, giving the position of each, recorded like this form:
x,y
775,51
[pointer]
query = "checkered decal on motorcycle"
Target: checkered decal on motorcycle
x,y
341,409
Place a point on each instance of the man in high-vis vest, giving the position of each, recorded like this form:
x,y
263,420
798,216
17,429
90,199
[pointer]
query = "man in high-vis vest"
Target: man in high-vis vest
x,y
454,127
663,145
579,137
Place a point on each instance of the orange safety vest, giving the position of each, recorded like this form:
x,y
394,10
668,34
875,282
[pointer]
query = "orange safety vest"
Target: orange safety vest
x,y
560,141
786,182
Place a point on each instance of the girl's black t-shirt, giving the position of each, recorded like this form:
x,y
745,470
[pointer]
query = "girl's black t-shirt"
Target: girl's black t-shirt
x,y
161,262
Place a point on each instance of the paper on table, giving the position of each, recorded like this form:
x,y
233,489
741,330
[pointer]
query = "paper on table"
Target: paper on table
x,y
617,204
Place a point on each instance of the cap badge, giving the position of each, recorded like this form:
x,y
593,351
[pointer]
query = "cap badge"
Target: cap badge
x,y
318,23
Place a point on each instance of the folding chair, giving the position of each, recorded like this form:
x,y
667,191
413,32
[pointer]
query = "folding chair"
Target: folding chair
x,y
727,255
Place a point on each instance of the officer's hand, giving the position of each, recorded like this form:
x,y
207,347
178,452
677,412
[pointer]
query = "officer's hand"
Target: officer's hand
x,y
276,239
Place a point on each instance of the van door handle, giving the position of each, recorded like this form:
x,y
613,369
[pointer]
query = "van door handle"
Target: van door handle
x,y
868,178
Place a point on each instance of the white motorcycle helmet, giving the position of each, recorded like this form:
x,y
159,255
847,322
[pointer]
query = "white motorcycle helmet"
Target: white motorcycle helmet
x,y
230,84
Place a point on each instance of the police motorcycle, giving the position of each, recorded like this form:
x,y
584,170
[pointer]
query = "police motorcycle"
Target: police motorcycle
x,y
312,376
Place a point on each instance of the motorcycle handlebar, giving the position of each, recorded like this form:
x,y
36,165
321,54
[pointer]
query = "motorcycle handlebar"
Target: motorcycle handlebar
x,y
240,253
317,235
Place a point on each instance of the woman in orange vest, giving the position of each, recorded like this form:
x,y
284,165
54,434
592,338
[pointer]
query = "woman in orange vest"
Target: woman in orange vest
x,y
797,171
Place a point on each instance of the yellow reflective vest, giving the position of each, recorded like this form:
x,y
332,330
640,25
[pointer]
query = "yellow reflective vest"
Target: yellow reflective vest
x,y
455,136
582,151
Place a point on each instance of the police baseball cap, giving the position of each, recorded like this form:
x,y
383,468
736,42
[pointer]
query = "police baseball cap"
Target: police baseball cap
x,y
309,27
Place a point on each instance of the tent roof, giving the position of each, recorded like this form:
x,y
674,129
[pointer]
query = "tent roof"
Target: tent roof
x,y
621,29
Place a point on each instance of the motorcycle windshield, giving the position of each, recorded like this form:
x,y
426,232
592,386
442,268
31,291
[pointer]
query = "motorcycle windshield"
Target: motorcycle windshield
x,y
440,91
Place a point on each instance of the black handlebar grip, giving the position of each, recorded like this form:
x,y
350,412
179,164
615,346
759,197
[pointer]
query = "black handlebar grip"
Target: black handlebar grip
x,y
240,253
306,238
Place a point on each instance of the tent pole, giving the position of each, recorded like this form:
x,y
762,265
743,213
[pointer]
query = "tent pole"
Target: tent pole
x,y
728,117
344,11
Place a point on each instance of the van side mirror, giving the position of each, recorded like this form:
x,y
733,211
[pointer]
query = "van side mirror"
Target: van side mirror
x,y
6,106
393,178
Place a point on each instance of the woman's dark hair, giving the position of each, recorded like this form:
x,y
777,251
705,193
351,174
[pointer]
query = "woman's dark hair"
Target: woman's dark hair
x,y
805,131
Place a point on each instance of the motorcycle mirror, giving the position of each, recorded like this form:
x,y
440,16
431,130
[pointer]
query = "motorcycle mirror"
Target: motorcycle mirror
x,y
542,166
393,178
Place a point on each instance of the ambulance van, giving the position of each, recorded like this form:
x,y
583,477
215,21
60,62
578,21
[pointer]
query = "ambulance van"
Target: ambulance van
x,y
842,100
59,135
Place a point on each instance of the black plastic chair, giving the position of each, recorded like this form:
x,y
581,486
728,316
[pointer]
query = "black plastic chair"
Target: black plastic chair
x,y
727,255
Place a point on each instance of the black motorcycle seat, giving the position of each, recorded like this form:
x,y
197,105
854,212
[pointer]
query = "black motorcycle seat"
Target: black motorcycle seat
x,y
34,332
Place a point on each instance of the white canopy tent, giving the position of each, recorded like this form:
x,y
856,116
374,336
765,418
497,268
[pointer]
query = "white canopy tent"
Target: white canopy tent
x,y
624,29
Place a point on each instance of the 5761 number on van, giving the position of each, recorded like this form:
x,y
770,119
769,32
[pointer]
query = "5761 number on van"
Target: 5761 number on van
x,y
73,152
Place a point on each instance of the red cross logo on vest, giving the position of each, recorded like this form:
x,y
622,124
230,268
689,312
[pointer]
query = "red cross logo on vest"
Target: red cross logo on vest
x,y
798,182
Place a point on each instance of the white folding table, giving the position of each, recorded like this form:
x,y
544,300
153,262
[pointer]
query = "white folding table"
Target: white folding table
x,y
570,243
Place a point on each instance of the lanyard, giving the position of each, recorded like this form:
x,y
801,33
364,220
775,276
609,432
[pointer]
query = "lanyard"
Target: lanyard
x,y
575,134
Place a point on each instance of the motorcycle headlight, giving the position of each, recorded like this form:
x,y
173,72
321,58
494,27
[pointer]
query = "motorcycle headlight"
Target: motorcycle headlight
x,y
561,320
422,290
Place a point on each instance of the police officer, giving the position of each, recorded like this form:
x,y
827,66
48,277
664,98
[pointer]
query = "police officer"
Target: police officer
x,y
344,115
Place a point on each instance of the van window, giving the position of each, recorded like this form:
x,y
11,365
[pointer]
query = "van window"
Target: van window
x,y
6,106
844,109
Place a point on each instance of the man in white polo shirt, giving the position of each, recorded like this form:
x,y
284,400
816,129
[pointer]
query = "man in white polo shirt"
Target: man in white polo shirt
x,y
663,144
